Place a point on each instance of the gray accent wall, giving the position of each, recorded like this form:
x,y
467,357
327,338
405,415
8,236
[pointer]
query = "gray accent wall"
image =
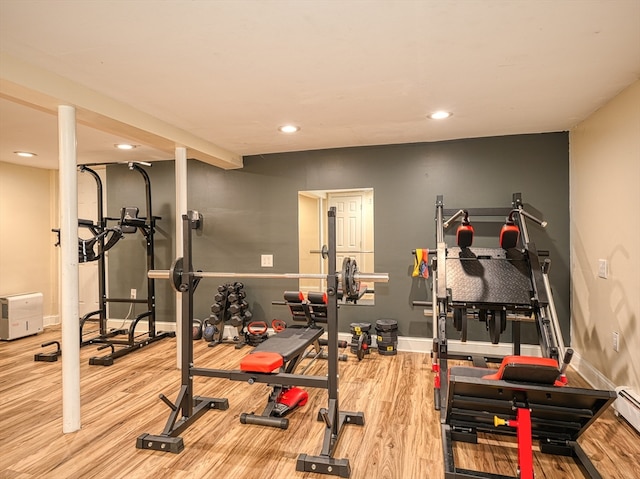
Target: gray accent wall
x,y
253,211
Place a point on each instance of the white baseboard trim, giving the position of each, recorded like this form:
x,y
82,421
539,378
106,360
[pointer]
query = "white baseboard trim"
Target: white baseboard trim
x,y
482,348
53,320
589,373
142,325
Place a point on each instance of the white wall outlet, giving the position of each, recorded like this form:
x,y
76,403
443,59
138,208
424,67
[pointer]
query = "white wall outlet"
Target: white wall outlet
x,y
603,268
266,261
133,293
616,341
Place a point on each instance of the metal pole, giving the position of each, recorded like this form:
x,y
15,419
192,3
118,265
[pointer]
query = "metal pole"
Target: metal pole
x,y
181,209
69,283
332,328
187,315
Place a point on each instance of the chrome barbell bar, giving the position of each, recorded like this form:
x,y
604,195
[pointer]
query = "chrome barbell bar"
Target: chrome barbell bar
x,y
372,277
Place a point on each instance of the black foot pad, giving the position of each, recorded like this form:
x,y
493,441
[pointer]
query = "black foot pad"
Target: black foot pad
x,y
323,465
160,443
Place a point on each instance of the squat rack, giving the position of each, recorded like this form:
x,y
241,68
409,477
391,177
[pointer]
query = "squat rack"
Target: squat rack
x,y
188,407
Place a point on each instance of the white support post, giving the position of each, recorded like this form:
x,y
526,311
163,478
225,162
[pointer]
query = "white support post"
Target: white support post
x,y
181,209
69,268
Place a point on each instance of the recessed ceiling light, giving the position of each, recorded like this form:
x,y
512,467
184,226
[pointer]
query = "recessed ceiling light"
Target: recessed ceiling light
x,y
289,129
25,154
125,146
440,115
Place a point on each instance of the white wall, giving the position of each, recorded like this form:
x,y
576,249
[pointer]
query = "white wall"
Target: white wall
x,y
605,224
28,211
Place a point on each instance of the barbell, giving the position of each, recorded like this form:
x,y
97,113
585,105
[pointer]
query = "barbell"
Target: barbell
x,y
325,251
350,277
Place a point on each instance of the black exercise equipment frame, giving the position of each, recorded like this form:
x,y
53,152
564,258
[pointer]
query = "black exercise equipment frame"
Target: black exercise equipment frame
x,y
541,302
107,338
559,415
188,407
98,229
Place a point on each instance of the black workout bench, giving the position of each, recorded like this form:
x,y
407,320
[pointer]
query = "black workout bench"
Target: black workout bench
x,y
283,352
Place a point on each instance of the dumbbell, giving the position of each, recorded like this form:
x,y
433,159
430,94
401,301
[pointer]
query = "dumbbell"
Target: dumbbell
x,y
236,296
216,308
236,308
220,297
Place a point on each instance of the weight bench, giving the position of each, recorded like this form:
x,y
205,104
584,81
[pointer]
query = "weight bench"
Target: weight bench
x,y
523,397
282,353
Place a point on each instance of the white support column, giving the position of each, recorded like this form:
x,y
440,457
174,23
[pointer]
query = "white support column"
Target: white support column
x,y
69,268
181,209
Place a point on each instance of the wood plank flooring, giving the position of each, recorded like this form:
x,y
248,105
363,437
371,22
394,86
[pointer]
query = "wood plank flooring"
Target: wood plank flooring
x,y
400,440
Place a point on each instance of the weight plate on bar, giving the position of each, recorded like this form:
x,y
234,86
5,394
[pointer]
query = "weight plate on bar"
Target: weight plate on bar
x,y
176,273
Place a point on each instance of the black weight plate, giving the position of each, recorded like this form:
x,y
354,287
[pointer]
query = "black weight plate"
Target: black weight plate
x,y
386,338
493,324
387,353
463,328
176,273
386,325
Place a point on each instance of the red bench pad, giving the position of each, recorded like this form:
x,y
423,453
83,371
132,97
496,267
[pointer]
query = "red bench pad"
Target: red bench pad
x,y
261,362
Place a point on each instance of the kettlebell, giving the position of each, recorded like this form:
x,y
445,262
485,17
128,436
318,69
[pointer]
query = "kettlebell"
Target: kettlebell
x,y
209,331
197,329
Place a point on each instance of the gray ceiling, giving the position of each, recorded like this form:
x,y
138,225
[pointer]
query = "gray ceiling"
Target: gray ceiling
x,y
349,73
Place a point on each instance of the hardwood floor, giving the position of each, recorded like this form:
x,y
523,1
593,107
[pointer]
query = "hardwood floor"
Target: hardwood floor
x,y
400,440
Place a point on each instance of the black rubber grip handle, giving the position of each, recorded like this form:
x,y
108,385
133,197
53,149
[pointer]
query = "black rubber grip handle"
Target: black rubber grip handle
x,y
279,422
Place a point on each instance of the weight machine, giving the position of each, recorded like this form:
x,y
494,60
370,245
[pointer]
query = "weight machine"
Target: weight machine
x,y
526,394
492,282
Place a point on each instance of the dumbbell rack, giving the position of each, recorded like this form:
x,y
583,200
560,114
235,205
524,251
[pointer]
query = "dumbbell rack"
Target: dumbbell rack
x,y
229,307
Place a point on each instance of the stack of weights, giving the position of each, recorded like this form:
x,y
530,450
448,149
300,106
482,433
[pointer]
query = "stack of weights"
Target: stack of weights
x,y
387,336
358,329
230,307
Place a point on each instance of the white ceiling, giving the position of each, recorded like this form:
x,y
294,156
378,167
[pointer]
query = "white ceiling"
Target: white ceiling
x,y
349,72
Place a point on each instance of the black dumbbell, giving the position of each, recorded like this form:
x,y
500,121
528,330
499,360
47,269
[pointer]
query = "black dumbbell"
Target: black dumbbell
x,y
220,297
237,296
236,308
216,308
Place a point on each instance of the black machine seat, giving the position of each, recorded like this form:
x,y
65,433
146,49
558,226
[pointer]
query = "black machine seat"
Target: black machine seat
x,y
291,342
281,353
313,310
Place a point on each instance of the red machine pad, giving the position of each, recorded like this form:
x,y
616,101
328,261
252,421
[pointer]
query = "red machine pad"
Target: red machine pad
x,y
464,235
261,362
294,397
509,236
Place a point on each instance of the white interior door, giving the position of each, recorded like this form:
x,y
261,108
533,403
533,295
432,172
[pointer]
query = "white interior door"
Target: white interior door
x,y
348,226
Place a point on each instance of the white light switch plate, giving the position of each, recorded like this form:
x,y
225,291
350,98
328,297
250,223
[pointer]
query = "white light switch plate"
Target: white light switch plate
x,y
266,261
603,268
